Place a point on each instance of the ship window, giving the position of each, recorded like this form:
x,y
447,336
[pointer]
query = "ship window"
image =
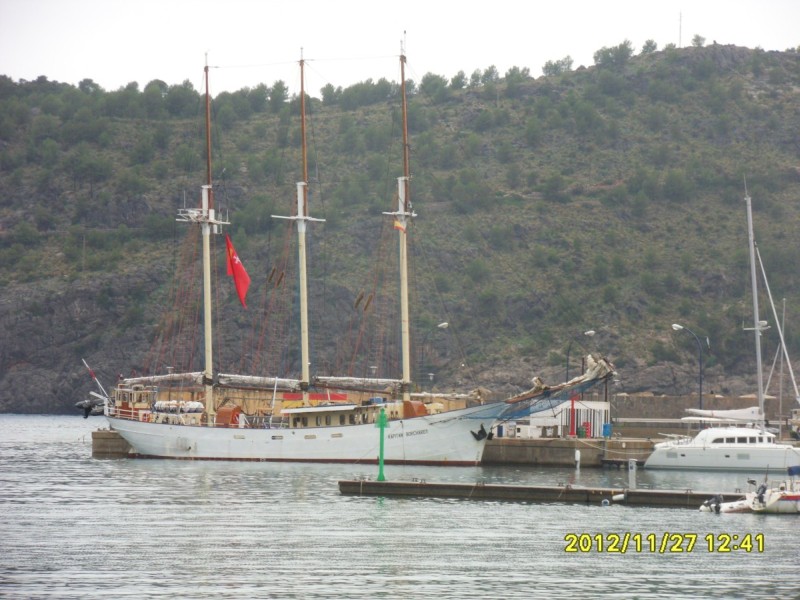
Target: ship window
x,y
730,440
753,440
327,419
718,441
277,437
742,440
319,421
305,421
352,419
341,419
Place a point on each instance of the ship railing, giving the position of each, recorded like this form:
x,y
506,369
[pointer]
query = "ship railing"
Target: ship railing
x,y
145,414
130,414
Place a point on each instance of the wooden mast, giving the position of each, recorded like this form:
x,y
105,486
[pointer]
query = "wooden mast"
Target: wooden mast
x,y
301,217
402,218
208,137
209,224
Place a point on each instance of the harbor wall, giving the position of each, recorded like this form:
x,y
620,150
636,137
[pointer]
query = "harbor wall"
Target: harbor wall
x,y
561,452
647,405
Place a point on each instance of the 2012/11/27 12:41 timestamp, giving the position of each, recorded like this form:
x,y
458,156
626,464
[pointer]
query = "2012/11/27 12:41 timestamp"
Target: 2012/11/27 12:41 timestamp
x,y
663,543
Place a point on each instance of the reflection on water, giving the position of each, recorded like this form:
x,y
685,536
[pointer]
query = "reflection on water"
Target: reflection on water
x,y
75,527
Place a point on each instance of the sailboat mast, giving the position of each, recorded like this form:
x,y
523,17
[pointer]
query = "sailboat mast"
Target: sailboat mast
x,y
205,216
208,209
209,355
404,205
757,326
208,137
302,211
301,217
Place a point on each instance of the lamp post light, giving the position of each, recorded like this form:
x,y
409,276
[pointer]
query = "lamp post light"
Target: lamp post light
x,y
678,327
572,424
589,333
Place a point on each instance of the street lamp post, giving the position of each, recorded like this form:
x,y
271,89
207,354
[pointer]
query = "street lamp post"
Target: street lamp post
x,y
589,333
572,424
678,327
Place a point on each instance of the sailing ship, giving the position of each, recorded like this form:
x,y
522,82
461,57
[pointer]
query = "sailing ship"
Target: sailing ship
x,y
158,419
734,447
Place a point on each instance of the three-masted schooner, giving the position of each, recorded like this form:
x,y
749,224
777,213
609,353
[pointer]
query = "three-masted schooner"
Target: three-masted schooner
x,y
334,431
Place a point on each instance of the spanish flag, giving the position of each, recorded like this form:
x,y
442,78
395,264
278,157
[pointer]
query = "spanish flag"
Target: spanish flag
x,y
399,226
236,270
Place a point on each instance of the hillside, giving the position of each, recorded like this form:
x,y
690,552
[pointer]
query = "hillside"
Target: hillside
x,y
607,198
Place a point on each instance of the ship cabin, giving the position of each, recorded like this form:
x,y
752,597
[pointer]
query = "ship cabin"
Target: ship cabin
x,y
133,401
341,414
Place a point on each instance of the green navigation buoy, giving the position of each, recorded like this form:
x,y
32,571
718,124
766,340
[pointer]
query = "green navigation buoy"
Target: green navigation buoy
x,y
381,424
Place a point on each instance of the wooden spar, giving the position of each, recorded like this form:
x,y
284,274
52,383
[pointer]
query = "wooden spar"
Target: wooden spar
x,y
205,216
208,209
302,212
301,217
207,332
406,149
303,132
208,136
404,202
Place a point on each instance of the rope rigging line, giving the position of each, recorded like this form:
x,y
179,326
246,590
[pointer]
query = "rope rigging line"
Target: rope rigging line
x,y
271,350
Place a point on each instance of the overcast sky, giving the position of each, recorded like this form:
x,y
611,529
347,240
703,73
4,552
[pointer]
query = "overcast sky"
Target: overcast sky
x,y
115,42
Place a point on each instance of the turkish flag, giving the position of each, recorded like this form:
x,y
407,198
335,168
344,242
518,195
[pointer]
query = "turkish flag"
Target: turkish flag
x,y
236,270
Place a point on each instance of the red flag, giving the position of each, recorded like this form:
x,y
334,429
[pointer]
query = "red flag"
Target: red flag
x,y
236,270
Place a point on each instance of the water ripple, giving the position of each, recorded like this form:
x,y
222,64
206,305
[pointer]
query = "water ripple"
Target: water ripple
x,y
76,527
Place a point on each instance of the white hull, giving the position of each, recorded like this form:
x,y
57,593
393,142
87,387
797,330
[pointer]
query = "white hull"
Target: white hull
x,y
736,506
786,504
441,439
777,501
752,460
773,501
725,449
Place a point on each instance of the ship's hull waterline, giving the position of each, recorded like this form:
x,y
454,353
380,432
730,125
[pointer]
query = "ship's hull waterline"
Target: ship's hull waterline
x,y
453,438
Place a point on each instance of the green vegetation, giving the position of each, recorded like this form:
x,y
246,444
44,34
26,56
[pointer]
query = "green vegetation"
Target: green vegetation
x,y
605,198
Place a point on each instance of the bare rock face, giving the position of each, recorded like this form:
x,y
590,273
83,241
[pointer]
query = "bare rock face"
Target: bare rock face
x,y
50,326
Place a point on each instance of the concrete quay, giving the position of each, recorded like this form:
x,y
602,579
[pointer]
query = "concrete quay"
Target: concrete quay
x,y
107,443
561,452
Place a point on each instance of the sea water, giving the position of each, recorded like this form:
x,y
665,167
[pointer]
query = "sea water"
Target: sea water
x,y
76,527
